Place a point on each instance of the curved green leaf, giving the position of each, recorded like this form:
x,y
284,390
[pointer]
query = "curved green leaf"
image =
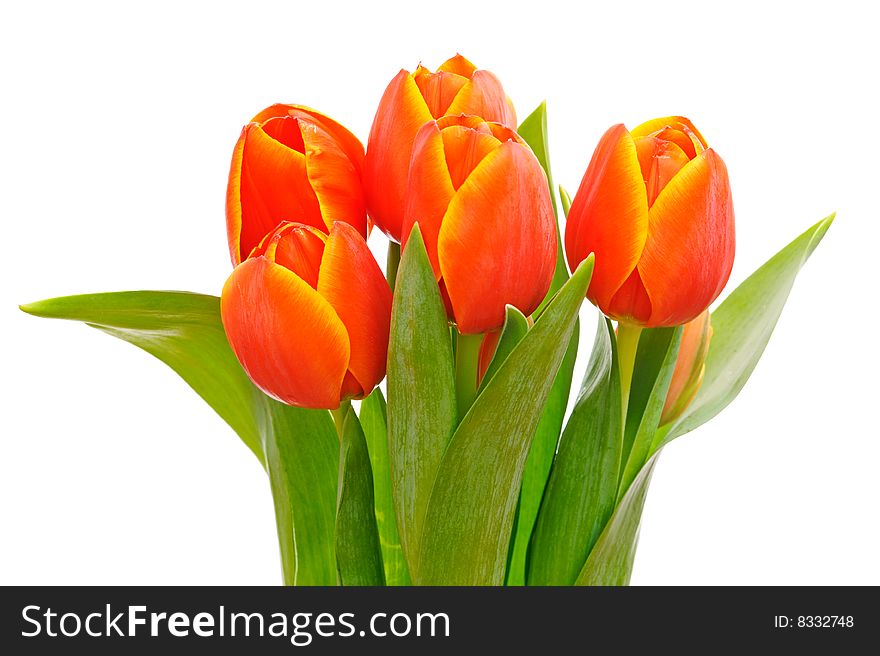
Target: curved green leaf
x,y
533,130
566,200
582,489
655,361
184,331
422,411
742,326
515,328
297,447
375,424
358,554
467,530
611,560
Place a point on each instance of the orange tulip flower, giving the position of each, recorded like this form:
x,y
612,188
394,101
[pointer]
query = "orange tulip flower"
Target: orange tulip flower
x,y
689,368
655,207
482,203
410,101
308,315
292,163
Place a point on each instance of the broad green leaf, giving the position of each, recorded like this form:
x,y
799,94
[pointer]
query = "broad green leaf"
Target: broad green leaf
x,y
582,489
742,326
539,461
467,530
422,411
302,458
358,554
515,328
566,200
184,331
655,361
611,560
297,447
375,424
533,130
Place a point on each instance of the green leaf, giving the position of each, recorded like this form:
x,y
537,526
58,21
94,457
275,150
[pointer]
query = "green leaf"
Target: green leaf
x,y
539,461
297,447
611,560
515,328
184,331
533,130
422,412
302,457
582,489
742,326
375,425
358,554
655,361
566,200
468,524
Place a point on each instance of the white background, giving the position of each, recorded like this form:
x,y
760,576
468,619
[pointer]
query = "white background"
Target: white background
x,y
118,125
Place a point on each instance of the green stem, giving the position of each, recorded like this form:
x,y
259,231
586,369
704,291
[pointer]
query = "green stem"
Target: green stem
x,y
339,416
627,344
392,263
467,357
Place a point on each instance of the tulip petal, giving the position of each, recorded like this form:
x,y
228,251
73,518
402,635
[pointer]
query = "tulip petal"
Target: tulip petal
x,y
233,201
484,96
347,141
459,65
609,215
497,243
691,141
429,192
438,89
465,148
689,251
353,284
660,161
299,248
273,187
334,178
289,339
402,111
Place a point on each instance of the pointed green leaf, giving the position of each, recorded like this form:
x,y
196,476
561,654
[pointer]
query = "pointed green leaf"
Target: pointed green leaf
x,y
742,326
358,554
515,328
611,560
566,200
375,424
302,458
539,461
297,447
468,525
582,489
422,411
184,331
655,361
533,130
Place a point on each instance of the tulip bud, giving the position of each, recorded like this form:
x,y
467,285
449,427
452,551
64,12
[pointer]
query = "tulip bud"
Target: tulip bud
x,y
308,315
655,207
483,206
689,367
410,101
292,164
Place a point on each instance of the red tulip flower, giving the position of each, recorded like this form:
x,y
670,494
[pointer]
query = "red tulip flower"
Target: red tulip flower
x,y
655,207
308,315
483,206
292,163
410,101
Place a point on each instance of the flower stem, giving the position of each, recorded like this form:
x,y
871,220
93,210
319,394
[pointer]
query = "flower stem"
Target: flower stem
x,y
467,357
339,416
392,263
627,344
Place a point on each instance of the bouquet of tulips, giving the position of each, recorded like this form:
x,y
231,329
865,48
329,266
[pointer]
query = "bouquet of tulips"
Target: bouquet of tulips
x,y
476,470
